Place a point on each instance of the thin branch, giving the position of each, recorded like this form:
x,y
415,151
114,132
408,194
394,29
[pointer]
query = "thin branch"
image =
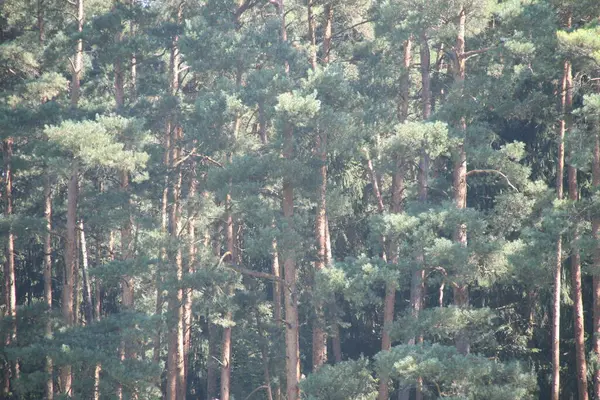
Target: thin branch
x,y
468,54
255,274
337,34
492,171
256,390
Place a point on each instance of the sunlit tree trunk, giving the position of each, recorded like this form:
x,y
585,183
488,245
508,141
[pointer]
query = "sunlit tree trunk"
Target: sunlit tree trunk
x,y
10,289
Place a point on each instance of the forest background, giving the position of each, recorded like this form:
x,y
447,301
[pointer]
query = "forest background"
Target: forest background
x,y
300,199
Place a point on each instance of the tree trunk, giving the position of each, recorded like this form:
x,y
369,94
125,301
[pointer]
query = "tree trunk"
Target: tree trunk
x,y
418,277
226,350
396,208
327,35
211,373
10,290
596,265
187,305
576,283
72,198
175,365
87,290
264,349
292,348
461,289
49,387
312,39
70,261
556,304
577,289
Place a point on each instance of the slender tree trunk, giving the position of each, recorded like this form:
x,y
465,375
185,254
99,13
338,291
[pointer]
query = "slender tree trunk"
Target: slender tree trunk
x,y
49,387
556,306
10,289
211,373
576,283
577,289
418,277
327,35
187,305
70,267
175,364
226,350
319,338
264,349
396,208
596,283
87,290
292,348
461,289
72,199
311,34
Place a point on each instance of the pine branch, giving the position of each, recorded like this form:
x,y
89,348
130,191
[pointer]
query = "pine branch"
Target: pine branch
x,y
468,54
256,390
492,171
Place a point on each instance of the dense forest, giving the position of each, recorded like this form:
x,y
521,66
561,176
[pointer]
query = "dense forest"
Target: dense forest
x,y
300,199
